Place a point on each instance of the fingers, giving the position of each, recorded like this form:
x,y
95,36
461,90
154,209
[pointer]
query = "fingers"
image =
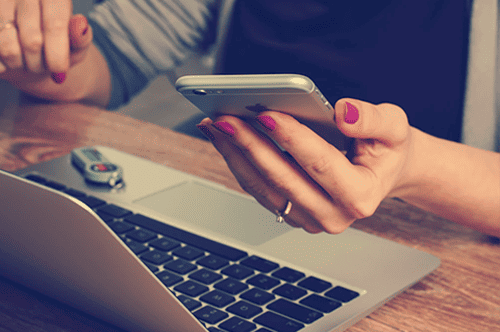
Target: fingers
x,y
383,139
80,36
55,20
272,178
80,33
358,184
10,51
38,40
348,186
30,36
384,122
328,189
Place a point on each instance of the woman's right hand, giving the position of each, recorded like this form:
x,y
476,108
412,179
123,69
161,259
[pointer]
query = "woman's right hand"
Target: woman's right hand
x,y
328,190
40,40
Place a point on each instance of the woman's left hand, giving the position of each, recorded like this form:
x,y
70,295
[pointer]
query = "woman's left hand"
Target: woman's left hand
x,y
328,190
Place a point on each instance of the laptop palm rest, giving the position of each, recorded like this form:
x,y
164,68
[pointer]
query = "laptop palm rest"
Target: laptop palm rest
x,y
221,212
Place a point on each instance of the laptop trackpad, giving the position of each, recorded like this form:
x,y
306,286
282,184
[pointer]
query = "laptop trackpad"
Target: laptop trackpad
x,y
219,211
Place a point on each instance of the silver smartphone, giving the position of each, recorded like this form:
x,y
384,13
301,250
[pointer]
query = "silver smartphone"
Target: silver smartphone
x,y
246,96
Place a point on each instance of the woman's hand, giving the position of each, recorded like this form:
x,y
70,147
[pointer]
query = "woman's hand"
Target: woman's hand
x,y
328,190
39,40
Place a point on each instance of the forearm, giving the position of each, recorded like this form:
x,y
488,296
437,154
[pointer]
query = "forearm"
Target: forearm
x,y
455,181
87,82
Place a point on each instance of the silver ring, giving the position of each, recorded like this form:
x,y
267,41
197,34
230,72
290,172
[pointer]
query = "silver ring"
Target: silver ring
x,y
6,25
280,216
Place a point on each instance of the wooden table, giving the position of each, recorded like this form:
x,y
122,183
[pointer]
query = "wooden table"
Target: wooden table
x,y
463,294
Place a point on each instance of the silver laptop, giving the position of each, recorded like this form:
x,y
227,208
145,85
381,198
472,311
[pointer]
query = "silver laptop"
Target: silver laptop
x,y
172,252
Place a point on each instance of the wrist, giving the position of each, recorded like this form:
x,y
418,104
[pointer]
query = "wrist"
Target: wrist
x,y
452,180
411,180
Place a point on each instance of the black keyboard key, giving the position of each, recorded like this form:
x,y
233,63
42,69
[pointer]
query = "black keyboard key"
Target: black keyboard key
x,y
188,238
263,281
235,324
152,267
92,201
315,284
244,309
36,178
321,303
237,271
290,292
188,253
278,323
231,286
55,185
120,227
288,274
75,193
214,329
168,278
106,217
142,235
156,257
191,288
295,311
136,247
164,244
213,262
263,330
260,264
205,276
210,315
342,294
189,303
114,211
217,298
180,266
257,296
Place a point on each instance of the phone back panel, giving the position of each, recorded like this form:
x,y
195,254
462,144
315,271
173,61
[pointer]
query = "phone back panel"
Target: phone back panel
x,y
246,96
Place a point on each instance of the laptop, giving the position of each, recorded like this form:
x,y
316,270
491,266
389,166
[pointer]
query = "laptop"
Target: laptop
x,y
169,251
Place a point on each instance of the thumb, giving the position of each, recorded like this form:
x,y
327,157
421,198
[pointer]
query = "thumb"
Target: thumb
x,y
386,123
80,33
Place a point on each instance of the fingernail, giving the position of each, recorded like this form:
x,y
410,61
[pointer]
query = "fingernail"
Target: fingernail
x,y
267,122
59,77
225,127
351,113
204,129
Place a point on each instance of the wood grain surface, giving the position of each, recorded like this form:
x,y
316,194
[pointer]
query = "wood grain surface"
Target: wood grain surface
x,y
462,295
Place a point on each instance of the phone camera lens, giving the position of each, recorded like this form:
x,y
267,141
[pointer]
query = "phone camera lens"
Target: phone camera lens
x,y
200,92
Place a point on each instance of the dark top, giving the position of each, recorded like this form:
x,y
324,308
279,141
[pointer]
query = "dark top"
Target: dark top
x,y
409,53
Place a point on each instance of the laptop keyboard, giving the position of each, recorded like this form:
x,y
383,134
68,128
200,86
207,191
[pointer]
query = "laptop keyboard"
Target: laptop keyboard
x,y
224,287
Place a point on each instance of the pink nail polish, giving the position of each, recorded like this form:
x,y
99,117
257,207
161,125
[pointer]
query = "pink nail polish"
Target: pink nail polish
x,y
225,127
59,77
351,113
267,122
204,129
